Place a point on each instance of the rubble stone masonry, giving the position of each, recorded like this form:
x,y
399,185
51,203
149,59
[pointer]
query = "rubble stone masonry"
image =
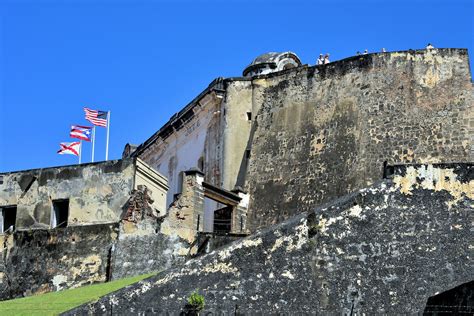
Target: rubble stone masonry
x,y
322,132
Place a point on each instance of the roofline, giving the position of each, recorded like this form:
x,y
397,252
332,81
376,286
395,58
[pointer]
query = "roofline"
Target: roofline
x,y
64,166
215,85
220,83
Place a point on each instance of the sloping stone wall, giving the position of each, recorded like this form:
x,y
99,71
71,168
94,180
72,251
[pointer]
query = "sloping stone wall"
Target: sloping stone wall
x,y
381,250
325,131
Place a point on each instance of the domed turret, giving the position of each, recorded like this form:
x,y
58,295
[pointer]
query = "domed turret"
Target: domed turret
x,y
271,62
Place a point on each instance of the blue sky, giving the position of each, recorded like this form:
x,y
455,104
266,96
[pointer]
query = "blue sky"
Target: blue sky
x,y
145,60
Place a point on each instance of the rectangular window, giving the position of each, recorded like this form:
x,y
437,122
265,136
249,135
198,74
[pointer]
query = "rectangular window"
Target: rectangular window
x,y
179,189
249,116
7,219
60,213
247,154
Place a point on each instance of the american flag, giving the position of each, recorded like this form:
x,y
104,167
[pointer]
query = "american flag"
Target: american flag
x,y
96,117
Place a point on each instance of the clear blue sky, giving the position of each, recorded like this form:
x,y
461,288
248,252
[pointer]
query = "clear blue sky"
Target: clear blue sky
x,y
145,60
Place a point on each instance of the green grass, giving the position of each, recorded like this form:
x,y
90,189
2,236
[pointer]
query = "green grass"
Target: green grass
x,y
57,302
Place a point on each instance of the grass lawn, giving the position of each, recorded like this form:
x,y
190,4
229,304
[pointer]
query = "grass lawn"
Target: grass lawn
x,y
57,302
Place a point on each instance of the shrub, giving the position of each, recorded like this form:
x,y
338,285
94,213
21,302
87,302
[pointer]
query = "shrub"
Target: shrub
x,y
196,301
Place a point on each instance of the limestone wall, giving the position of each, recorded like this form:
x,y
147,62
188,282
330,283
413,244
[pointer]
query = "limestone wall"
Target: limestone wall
x,y
384,249
96,192
236,132
324,131
113,227
141,248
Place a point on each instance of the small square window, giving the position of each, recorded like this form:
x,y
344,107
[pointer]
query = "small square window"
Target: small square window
x,y
7,218
249,116
60,213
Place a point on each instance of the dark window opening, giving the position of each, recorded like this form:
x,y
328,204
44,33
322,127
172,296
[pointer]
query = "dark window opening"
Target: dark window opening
x,y
8,219
247,153
180,182
60,213
223,220
249,116
201,164
166,132
187,116
176,196
388,171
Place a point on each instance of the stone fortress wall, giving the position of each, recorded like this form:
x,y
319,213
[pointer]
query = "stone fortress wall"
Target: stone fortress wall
x,y
293,139
110,227
385,140
329,130
302,136
385,249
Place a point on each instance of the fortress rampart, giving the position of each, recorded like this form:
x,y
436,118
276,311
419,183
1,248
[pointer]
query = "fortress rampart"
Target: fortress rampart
x,y
322,132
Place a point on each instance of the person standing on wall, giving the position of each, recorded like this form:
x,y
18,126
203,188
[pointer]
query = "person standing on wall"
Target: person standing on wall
x,y
320,60
326,59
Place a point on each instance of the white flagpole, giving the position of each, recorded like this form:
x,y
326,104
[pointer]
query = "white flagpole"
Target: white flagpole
x,y
93,142
80,151
107,143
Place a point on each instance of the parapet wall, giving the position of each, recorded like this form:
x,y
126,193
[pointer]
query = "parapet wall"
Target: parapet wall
x,y
384,249
96,192
325,131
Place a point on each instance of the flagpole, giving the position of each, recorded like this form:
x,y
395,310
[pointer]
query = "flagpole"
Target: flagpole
x,y
107,143
80,151
93,142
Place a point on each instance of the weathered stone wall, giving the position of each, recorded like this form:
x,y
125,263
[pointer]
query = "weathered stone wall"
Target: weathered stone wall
x,y
141,248
186,213
381,250
237,127
190,141
41,260
97,192
38,259
324,131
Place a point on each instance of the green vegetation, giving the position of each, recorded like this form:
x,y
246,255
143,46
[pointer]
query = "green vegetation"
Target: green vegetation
x,y
196,301
57,302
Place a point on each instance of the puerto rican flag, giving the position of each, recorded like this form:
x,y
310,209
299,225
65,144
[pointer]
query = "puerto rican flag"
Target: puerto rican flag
x,y
81,132
73,148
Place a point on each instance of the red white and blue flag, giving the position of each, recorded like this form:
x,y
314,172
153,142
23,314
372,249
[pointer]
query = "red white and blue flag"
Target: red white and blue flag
x,y
73,148
96,117
81,132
